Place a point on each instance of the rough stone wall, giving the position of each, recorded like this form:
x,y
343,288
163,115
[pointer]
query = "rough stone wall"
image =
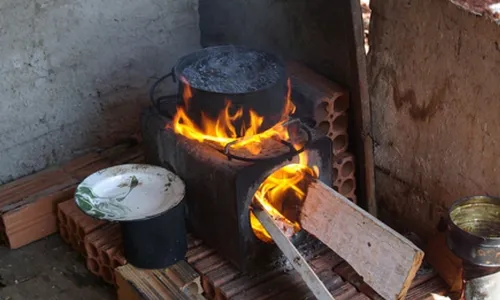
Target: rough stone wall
x,y
75,73
434,74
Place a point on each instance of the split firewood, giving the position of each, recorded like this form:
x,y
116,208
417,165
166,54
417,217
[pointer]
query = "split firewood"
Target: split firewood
x,y
293,255
386,260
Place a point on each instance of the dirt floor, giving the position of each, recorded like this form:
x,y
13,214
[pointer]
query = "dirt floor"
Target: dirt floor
x,y
50,270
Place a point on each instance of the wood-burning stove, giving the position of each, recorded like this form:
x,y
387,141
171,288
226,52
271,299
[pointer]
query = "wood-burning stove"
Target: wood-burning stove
x,y
220,187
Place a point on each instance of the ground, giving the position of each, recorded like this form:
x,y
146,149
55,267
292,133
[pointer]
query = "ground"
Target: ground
x,y
48,269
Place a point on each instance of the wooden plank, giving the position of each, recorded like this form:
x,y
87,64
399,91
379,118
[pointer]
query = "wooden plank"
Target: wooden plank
x,y
144,283
360,124
177,282
184,277
386,260
293,255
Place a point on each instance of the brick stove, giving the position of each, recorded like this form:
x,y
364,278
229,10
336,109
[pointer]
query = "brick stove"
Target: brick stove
x,y
221,181
220,190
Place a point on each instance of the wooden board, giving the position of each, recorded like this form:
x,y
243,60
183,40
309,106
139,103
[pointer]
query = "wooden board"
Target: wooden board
x,y
225,282
177,282
386,260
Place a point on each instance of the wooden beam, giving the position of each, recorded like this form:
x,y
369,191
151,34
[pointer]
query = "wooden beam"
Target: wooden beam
x,y
386,260
293,255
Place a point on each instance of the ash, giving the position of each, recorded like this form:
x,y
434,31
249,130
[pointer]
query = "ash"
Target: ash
x,y
232,72
309,249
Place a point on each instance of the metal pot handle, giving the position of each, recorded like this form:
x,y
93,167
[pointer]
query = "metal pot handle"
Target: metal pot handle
x,y
156,102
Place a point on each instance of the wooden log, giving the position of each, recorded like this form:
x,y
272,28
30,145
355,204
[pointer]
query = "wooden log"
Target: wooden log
x,y
386,260
293,255
184,277
177,282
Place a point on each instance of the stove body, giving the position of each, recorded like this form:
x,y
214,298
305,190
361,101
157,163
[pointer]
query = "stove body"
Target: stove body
x,y
219,190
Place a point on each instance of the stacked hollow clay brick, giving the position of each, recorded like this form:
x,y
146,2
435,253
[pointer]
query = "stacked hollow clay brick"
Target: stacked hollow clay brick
x,y
104,249
99,242
329,104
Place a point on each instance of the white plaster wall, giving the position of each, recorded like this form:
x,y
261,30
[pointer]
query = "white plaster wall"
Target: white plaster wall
x,y
74,74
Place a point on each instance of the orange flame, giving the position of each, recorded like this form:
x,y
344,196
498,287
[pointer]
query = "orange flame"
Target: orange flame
x,y
284,182
222,130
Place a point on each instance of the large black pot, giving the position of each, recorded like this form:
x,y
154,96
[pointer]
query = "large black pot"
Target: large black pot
x,y
267,98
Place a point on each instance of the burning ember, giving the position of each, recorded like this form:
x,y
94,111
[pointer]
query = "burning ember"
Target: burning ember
x,y
282,191
222,130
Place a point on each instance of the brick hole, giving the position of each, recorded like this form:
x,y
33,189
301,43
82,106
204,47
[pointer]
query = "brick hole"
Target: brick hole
x,y
72,226
3,238
340,123
63,232
335,174
207,288
93,265
323,127
340,142
341,104
115,263
62,218
81,232
107,274
92,250
106,259
321,111
193,289
347,186
347,168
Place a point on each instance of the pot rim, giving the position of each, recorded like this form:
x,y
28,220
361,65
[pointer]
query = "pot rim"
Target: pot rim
x,y
283,74
455,227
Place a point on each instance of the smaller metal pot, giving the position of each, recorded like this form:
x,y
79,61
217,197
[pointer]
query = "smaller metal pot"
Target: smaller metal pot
x,y
474,230
158,242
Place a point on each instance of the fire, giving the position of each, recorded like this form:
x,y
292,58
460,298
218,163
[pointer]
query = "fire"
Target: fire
x,y
282,184
222,130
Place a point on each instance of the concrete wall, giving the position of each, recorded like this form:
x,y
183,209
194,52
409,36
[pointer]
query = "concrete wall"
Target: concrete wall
x,y
435,87
74,74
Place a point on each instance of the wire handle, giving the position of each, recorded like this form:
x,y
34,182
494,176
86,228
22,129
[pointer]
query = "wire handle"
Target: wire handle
x,y
152,90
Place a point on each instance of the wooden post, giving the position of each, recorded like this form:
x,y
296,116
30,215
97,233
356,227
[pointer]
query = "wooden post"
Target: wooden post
x,y
386,260
293,255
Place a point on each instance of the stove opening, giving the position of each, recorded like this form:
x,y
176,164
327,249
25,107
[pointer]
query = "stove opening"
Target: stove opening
x,y
281,194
